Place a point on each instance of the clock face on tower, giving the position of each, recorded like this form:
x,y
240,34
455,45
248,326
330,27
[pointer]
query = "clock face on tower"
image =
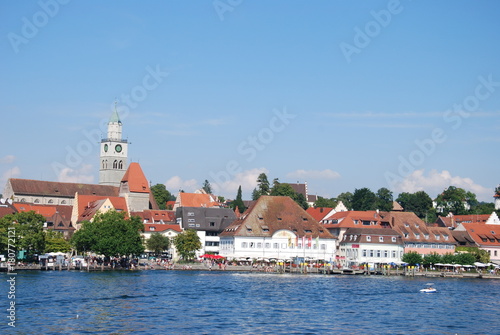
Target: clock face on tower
x,y
105,148
118,148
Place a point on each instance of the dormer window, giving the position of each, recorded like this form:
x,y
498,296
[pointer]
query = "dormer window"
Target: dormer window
x,y
356,221
152,228
368,238
393,239
381,239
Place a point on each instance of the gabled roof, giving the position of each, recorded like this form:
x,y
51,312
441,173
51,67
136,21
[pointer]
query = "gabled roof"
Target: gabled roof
x,y
463,238
46,210
197,200
483,234
413,229
475,218
158,227
58,189
396,206
353,219
88,205
319,213
6,209
299,188
361,235
155,216
135,179
271,214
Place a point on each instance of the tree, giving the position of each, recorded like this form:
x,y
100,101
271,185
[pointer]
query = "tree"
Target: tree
x,y
207,187
187,243
324,202
384,200
456,200
363,200
286,190
28,229
346,198
55,242
158,243
110,234
263,187
419,203
161,195
238,202
412,258
465,258
431,259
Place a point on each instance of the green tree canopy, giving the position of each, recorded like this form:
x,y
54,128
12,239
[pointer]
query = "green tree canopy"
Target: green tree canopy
x,y
238,202
187,243
55,242
324,202
384,200
263,187
161,195
346,198
412,258
110,234
29,234
158,243
455,199
284,189
419,203
363,200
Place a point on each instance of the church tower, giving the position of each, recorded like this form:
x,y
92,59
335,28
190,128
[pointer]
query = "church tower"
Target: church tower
x,y
114,152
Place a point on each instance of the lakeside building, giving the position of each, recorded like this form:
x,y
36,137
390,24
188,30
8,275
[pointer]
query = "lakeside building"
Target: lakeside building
x,y
277,227
370,246
486,235
418,236
58,217
168,230
208,223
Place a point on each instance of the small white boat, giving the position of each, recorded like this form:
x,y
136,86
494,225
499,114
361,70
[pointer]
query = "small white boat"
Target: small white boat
x,y
428,289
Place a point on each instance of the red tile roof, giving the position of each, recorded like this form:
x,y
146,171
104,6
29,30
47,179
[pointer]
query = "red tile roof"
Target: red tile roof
x,y
6,210
197,200
348,219
319,213
413,229
484,234
88,205
135,179
152,216
158,227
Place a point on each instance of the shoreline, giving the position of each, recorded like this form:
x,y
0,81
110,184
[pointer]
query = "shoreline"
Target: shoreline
x,y
260,269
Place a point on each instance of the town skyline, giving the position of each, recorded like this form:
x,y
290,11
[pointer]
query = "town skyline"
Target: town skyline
x,y
391,94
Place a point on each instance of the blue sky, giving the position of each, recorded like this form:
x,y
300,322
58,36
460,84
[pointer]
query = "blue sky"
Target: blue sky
x,y
343,95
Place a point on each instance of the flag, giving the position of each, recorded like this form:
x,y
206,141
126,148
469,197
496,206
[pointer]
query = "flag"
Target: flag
x,y
309,243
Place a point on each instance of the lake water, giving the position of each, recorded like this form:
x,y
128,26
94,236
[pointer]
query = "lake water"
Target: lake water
x,y
198,302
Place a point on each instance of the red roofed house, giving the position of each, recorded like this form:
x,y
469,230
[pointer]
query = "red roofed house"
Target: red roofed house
x,y
339,222
6,207
485,234
419,237
370,245
87,206
196,200
58,217
277,227
168,230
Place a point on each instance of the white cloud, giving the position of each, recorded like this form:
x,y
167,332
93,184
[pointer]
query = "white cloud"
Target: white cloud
x,y
7,159
436,182
10,173
304,175
247,179
176,183
83,175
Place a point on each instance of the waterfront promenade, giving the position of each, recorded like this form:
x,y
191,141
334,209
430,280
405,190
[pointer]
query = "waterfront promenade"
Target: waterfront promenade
x,y
259,268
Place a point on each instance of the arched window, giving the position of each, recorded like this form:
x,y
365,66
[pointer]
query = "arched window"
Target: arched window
x,y
120,165
63,202
106,164
51,201
103,164
37,201
115,164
